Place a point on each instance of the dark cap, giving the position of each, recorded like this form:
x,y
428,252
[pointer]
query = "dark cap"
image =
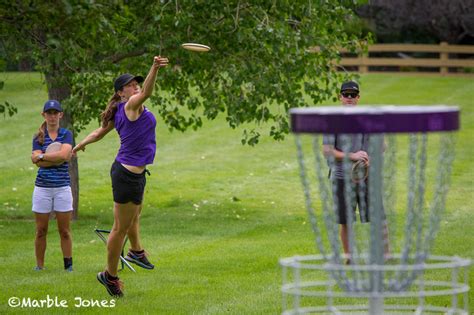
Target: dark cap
x,y
349,85
52,104
125,79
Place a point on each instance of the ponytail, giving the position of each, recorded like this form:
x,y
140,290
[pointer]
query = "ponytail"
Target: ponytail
x,y
41,132
109,113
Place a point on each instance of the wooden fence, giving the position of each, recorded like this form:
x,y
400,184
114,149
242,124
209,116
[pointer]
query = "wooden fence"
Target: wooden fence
x,y
446,57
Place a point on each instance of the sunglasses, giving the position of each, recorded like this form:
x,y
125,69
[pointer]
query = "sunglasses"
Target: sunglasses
x,y
350,94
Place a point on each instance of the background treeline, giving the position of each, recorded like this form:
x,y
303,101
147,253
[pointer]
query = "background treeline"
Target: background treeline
x,y
419,21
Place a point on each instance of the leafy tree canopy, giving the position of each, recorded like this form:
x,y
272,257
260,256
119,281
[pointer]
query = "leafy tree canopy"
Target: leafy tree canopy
x,y
421,20
260,64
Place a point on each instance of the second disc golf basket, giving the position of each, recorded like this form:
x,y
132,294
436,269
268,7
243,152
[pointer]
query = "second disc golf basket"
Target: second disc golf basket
x,y
389,268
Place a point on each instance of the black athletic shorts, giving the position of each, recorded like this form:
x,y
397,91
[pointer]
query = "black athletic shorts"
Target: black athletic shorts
x,y
127,186
357,202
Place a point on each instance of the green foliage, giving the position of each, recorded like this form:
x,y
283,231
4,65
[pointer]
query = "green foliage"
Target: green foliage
x,y
7,107
258,68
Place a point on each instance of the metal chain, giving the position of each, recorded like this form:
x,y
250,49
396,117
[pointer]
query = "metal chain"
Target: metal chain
x,y
389,183
307,193
422,220
445,162
328,216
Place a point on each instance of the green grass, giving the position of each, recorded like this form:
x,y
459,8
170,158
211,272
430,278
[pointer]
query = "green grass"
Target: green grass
x,y
213,254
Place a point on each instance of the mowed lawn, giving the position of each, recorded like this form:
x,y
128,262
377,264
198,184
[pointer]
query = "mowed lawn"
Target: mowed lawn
x,y
217,215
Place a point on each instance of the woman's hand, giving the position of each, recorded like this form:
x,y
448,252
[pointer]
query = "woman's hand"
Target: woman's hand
x,y
77,148
35,158
160,62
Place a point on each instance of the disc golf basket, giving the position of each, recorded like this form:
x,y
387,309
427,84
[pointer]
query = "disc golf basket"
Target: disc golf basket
x,y
100,233
390,269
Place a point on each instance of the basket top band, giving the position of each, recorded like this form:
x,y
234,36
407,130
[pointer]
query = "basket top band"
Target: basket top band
x,y
374,119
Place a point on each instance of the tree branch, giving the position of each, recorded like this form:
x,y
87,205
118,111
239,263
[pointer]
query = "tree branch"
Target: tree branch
x,y
119,57
26,32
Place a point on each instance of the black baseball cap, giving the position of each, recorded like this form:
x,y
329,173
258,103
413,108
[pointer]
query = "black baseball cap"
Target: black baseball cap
x,y
350,85
124,79
52,104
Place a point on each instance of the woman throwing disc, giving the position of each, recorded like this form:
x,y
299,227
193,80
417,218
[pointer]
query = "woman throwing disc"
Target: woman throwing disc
x,y
135,125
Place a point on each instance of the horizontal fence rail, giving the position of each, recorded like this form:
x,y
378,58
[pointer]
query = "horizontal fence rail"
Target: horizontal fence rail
x,y
458,58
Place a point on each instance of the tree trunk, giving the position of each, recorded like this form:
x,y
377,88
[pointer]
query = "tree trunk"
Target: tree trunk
x,y
25,64
59,90
66,122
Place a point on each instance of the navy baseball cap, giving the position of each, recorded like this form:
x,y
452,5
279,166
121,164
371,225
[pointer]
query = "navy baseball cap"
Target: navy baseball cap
x,y
350,85
52,104
125,79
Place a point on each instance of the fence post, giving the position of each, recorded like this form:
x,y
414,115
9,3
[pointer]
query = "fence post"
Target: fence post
x,y
363,62
443,56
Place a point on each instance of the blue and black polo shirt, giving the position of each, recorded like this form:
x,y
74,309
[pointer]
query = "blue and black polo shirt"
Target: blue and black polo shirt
x,y
54,176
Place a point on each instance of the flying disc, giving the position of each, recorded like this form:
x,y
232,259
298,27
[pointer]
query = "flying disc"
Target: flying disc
x,y
360,171
195,47
53,147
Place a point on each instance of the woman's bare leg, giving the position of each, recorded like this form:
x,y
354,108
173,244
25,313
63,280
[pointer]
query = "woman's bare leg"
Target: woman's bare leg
x,y
64,219
123,218
134,232
42,221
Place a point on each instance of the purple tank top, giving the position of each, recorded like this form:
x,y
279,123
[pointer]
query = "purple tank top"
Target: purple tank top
x,y
137,138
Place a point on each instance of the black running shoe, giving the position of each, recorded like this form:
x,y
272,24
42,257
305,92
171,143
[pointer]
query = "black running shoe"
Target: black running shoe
x,y
114,287
139,259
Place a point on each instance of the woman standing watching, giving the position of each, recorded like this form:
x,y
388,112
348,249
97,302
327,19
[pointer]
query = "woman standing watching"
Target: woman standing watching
x,y
52,186
135,125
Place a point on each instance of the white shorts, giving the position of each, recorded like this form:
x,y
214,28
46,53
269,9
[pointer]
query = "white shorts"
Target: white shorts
x,y
47,199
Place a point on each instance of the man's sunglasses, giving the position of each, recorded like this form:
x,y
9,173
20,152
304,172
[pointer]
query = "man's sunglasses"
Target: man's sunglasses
x,y
350,94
